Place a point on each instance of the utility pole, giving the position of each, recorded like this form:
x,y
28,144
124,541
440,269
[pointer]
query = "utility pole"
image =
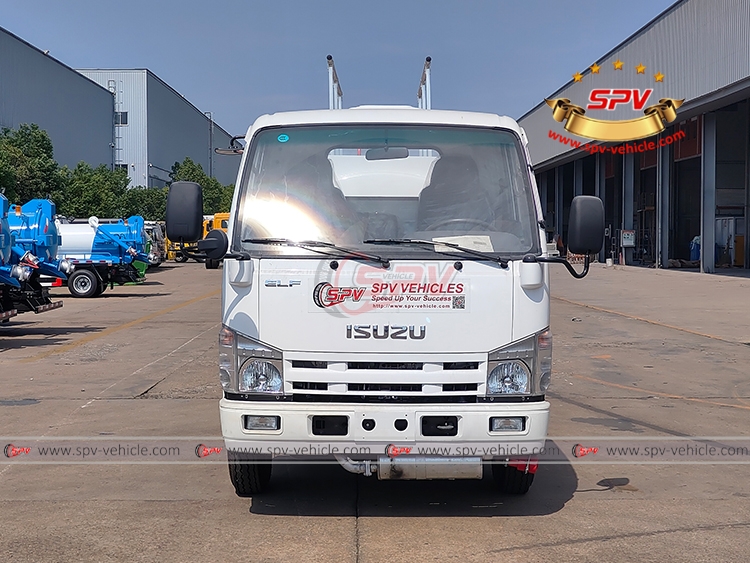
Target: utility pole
x,y
210,116
335,94
424,94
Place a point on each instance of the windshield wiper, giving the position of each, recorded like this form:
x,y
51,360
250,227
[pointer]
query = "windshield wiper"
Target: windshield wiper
x,y
316,245
433,243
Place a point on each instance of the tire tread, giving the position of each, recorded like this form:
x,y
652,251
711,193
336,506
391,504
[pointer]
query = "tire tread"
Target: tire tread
x,y
510,480
248,476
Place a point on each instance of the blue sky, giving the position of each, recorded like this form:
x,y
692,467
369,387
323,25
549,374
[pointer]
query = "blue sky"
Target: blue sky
x,y
240,59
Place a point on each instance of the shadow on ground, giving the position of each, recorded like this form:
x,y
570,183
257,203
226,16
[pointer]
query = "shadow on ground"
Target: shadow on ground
x,y
328,490
112,294
17,335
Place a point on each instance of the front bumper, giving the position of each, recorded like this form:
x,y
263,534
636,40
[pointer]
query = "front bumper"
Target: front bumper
x,y
296,438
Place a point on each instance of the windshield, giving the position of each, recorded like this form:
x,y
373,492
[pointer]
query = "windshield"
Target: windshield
x,y
347,184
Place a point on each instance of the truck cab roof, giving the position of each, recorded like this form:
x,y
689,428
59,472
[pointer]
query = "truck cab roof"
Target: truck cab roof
x,y
385,114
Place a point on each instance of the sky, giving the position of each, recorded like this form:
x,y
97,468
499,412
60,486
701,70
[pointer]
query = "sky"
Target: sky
x,y
243,58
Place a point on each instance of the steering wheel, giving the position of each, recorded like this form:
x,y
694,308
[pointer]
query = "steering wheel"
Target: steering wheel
x,y
478,222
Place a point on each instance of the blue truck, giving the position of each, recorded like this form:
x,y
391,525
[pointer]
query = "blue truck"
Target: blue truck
x,y
104,254
36,239
28,246
8,273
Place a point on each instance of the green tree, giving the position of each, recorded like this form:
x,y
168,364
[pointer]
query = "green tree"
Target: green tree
x,y
28,171
150,203
94,191
216,197
27,167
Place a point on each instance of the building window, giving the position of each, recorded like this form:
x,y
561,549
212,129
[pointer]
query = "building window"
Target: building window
x,y
121,167
121,118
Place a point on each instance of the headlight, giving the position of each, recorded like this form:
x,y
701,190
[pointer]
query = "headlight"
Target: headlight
x,y
522,367
248,366
257,376
509,378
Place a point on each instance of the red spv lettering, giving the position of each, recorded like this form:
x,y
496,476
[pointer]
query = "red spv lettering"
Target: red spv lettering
x,y
393,450
609,99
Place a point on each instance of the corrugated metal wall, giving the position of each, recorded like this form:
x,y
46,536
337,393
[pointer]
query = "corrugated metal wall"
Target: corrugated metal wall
x,y
163,128
177,129
76,113
131,148
700,46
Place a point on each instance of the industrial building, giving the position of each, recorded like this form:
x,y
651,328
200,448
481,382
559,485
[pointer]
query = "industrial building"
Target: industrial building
x,y
155,127
693,179
76,112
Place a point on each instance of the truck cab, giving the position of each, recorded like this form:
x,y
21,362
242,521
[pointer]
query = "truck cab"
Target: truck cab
x,y
386,295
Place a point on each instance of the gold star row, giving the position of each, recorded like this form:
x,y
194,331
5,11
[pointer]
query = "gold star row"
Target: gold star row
x,y
640,69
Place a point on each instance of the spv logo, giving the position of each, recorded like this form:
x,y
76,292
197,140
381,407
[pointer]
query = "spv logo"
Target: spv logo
x,y
326,295
13,451
654,119
608,98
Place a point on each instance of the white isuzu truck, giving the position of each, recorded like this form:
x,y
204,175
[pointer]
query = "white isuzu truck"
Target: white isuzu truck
x,y
385,295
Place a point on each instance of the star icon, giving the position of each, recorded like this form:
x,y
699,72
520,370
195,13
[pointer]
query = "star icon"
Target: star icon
x,y
659,77
618,64
577,77
594,68
640,69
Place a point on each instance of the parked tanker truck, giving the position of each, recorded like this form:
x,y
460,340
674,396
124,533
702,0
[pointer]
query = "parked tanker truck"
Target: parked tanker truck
x,y
7,277
36,239
103,254
28,246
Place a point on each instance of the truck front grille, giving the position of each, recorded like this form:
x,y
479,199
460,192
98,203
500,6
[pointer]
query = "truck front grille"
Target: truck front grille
x,y
452,387
390,377
460,365
310,386
393,387
307,364
385,365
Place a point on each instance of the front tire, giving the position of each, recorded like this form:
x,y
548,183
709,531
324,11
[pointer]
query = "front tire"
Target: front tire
x,y
510,480
180,257
83,283
212,264
250,476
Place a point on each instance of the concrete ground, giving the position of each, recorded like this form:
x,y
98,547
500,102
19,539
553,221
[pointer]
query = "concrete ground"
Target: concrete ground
x,y
638,353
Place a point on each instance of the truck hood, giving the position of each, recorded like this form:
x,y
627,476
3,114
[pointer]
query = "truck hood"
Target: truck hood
x,y
413,306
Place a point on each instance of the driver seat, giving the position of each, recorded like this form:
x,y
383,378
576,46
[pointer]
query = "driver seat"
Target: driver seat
x,y
454,193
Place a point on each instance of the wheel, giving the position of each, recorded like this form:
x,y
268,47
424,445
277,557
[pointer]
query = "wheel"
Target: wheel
x,y
249,475
211,264
83,283
476,222
510,480
180,257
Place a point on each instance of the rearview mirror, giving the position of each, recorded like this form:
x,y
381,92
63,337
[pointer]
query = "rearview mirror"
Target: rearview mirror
x,y
387,153
184,212
215,244
586,225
